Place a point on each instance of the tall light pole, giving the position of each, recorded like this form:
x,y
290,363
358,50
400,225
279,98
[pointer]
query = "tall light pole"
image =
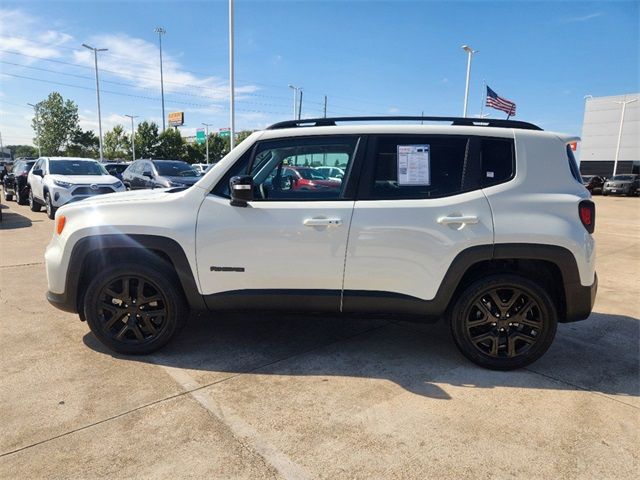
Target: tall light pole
x,y
232,103
161,31
95,58
206,138
295,100
470,51
133,137
35,108
624,106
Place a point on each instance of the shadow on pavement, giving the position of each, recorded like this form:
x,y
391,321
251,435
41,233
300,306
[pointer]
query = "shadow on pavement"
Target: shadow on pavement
x,y
11,219
599,354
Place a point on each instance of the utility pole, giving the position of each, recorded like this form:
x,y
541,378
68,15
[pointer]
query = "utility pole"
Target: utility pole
x,y
161,31
325,106
300,105
624,106
95,57
470,51
295,99
36,109
206,139
232,112
133,137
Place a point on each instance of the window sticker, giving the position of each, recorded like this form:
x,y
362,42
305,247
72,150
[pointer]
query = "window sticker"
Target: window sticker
x,y
414,165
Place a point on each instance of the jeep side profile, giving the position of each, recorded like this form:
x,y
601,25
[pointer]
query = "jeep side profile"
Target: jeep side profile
x,y
482,222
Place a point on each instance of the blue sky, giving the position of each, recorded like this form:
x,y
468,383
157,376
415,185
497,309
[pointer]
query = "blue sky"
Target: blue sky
x,y
368,57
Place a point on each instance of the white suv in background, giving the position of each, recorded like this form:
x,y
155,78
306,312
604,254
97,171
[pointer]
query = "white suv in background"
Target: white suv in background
x,y
56,181
485,223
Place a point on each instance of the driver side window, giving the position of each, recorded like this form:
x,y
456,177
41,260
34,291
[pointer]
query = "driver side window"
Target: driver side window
x,y
292,169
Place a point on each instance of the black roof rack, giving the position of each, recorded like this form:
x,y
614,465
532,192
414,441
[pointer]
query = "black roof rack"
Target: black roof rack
x,y
481,122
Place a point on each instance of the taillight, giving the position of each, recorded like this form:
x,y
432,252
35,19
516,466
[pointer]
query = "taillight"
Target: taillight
x,y
587,212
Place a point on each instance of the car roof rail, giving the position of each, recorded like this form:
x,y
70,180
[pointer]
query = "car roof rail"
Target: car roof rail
x,y
333,121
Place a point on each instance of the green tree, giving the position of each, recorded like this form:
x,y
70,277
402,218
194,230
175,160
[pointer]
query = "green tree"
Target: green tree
x,y
241,136
218,147
83,144
23,151
172,145
147,140
194,153
116,143
56,123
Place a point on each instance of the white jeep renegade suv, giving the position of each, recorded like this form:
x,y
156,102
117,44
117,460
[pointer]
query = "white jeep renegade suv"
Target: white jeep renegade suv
x,y
56,181
485,223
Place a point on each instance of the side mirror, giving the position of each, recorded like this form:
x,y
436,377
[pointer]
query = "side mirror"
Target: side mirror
x,y
147,173
38,172
241,188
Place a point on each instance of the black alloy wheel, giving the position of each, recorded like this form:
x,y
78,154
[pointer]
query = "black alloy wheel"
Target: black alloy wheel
x,y
504,322
51,210
134,308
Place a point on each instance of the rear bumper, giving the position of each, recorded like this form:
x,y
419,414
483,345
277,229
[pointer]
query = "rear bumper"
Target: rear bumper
x,y
580,300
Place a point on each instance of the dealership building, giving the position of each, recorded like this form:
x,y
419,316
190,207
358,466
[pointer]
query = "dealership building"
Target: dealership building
x,y
611,128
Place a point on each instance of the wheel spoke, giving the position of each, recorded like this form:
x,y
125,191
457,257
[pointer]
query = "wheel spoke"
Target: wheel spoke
x,y
113,294
122,332
149,324
480,305
109,306
114,319
137,332
126,288
483,337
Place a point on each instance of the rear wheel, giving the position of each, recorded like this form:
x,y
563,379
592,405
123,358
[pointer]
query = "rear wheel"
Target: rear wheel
x,y
51,210
7,196
34,206
503,322
20,197
133,308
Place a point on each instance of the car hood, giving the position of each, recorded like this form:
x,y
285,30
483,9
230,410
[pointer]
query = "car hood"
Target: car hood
x,y
123,197
86,179
183,180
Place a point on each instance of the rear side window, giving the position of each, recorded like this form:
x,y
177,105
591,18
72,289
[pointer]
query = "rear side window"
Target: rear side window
x,y
419,166
573,165
497,161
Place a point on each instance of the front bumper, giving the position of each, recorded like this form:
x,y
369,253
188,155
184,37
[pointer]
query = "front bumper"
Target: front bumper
x,y
580,300
62,301
625,190
61,196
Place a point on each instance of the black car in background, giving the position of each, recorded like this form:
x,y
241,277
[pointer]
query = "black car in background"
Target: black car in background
x,y
159,174
116,169
15,181
593,183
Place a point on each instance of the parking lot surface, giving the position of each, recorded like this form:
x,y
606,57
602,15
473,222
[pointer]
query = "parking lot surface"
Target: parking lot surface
x,y
290,396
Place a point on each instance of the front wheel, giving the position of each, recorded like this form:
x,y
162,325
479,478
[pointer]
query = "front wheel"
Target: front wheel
x,y
7,196
503,322
133,308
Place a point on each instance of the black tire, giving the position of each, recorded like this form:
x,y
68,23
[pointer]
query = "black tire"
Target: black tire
x,y
522,331
51,210
20,197
110,303
34,206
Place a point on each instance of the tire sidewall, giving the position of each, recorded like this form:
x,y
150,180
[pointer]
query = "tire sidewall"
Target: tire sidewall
x,y
547,311
163,279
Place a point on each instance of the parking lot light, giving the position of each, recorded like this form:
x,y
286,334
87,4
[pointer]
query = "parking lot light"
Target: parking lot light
x,y
95,58
470,51
624,106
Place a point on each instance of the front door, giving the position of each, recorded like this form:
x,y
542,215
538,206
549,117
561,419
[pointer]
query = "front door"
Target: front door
x,y
286,249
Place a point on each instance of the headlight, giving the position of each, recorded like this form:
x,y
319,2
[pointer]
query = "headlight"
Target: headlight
x,y
117,185
62,184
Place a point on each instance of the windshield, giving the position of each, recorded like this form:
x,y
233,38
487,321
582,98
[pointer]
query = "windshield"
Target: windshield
x,y
76,167
623,177
116,168
175,169
311,174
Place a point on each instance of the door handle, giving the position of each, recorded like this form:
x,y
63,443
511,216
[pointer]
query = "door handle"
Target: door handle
x,y
461,219
322,222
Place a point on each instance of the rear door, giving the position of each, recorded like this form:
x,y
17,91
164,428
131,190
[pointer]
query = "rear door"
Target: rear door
x,y
419,205
36,180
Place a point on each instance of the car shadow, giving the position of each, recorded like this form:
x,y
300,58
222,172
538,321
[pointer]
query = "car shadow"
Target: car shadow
x,y
599,354
11,219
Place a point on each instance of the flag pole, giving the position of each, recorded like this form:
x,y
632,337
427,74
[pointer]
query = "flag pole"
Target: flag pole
x,y
484,97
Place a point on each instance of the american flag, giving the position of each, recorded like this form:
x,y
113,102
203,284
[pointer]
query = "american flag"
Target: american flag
x,y
499,103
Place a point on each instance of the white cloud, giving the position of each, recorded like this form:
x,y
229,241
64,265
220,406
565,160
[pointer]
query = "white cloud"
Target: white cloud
x,y
581,18
27,35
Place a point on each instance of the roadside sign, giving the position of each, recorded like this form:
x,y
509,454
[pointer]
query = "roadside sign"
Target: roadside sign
x,y
176,119
200,138
224,132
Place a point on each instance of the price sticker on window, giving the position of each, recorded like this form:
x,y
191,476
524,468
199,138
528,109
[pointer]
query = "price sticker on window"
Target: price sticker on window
x,y
414,165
